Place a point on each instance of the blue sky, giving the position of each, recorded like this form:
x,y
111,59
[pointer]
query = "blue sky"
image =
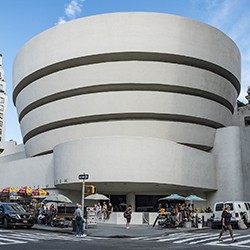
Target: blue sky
x,y
20,20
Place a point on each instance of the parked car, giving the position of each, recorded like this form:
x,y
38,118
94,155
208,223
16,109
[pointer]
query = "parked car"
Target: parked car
x,y
14,215
240,210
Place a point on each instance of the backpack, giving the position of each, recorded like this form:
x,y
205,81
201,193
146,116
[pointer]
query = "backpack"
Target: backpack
x,y
78,218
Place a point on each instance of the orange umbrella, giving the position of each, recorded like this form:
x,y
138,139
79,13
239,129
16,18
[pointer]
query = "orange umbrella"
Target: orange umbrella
x,y
40,191
25,190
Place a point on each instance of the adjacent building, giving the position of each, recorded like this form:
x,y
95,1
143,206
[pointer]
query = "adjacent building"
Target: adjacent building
x,y
145,103
3,101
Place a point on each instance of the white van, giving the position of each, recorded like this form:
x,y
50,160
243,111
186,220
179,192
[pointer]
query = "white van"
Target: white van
x,y
238,209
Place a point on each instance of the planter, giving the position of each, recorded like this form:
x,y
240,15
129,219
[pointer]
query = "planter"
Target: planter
x,y
199,225
188,224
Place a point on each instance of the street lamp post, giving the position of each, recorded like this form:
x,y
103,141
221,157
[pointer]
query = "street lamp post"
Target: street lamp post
x,y
83,177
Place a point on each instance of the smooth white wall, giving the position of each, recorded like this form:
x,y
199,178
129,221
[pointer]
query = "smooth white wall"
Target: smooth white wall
x,y
33,172
134,159
229,176
191,78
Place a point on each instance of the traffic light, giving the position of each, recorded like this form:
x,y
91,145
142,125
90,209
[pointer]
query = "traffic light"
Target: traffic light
x,y
90,189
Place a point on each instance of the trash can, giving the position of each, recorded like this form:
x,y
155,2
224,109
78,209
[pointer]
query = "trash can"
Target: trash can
x,y
210,222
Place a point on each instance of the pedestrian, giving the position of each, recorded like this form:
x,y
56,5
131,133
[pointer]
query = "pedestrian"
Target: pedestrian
x,y
79,219
128,215
51,214
98,211
110,210
105,210
226,223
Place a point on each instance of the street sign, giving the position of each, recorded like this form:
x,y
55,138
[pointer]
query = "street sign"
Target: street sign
x,y
83,176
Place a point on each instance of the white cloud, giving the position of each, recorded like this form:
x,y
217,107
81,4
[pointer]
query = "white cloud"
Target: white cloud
x,y
220,13
61,20
72,11
74,8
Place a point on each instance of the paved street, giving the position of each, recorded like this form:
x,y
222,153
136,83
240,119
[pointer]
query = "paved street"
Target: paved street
x,y
161,239
207,238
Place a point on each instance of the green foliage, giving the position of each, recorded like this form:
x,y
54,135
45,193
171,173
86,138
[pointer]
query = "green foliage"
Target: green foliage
x,y
240,104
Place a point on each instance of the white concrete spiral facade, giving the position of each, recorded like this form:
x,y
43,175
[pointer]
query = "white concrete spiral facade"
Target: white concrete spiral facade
x,y
126,74
143,102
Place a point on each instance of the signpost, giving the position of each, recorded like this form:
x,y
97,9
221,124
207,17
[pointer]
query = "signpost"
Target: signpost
x,y
83,177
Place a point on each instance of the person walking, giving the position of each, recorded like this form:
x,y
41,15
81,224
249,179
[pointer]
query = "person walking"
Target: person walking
x,y
128,215
79,219
226,223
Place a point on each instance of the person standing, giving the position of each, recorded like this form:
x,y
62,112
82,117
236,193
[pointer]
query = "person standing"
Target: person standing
x,y
128,215
79,219
104,210
51,214
226,223
110,210
98,211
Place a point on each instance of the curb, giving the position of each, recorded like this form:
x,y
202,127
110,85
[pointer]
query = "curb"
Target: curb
x,y
54,230
115,236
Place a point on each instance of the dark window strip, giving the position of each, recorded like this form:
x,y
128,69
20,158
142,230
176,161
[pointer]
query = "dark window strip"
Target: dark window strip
x,y
125,56
196,146
44,153
125,87
117,117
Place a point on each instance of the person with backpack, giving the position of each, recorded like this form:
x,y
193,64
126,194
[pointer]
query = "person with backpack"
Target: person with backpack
x,y
127,215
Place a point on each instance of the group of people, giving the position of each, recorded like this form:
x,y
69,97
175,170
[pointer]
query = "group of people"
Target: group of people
x,y
80,220
176,214
104,211
46,214
185,212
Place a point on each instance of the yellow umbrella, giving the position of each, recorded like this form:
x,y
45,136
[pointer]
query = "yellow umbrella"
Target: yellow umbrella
x,y
9,190
40,192
25,190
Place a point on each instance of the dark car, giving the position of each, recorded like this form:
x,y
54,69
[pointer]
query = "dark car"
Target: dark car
x,y
14,215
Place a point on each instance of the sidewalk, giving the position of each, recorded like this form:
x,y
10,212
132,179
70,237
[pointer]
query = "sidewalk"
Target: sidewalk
x,y
119,231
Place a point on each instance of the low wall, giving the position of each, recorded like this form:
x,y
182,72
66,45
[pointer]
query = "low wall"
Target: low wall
x,y
205,215
117,218
139,218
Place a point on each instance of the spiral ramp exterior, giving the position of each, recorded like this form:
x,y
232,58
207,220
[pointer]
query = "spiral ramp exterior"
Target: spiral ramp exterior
x,y
130,98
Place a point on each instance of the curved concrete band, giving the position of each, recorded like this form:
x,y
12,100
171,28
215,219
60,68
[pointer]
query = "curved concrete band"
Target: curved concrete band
x,y
126,74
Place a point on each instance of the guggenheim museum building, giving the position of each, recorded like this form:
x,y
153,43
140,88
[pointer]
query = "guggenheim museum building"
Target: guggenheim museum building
x,y
145,103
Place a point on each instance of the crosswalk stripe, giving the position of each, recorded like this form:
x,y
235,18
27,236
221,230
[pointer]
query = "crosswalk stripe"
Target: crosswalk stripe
x,y
155,238
47,236
228,239
176,237
241,243
199,236
206,238
6,241
14,236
